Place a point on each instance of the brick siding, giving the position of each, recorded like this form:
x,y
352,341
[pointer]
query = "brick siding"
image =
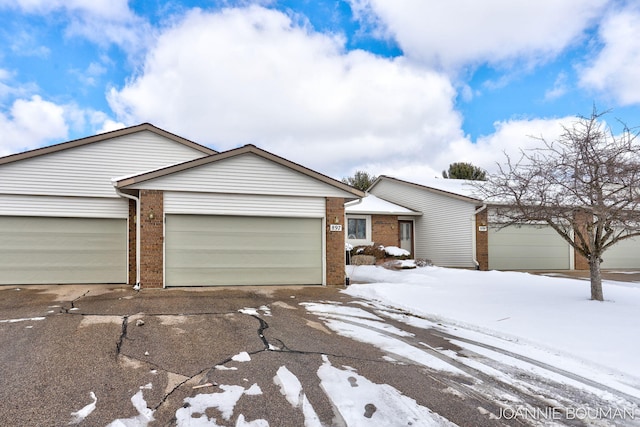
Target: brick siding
x,y
482,241
132,242
335,242
384,230
580,261
151,239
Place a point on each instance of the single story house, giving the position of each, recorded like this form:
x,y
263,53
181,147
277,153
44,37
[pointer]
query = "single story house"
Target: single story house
x,y
143,206
458,229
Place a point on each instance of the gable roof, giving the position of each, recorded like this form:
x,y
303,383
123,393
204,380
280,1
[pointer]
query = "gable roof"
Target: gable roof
x,y
457,188
127,181
102,137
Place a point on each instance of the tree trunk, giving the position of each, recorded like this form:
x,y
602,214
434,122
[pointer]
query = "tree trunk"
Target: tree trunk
x,y
596,279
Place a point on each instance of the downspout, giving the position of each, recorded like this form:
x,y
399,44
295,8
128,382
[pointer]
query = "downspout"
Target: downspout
x,y
137,200
473,236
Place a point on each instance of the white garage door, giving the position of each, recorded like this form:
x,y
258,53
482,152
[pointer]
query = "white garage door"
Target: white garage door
x,y
41,250
624,254
528,247
205,250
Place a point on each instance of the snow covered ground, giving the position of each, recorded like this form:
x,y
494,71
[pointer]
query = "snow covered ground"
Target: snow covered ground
x,y
547,318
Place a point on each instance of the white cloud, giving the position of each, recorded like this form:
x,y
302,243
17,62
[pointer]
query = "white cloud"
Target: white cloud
x,y
455,33
31,123
253,76
615,69
509,138
108,9
101,21
559,89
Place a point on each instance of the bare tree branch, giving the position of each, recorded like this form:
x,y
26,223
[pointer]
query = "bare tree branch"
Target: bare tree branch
x,y
585,185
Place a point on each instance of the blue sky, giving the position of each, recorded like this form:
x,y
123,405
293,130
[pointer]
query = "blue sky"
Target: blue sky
x,y
397,88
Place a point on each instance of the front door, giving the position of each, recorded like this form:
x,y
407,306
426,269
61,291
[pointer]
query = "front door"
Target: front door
x,y
406,235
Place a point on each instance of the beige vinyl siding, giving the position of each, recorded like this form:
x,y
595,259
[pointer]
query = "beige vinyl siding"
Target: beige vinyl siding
x,y
443,233
247,174
243,204
87,170
206,250
624,254
528,247
39,250
83,207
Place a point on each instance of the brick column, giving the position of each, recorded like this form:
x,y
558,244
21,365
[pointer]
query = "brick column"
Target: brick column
x,y
384,230
335,242
581,219
151,238
482,240
132,242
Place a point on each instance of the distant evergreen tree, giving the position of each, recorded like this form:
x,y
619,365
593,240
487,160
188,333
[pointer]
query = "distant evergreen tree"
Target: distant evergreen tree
x,y
462,170
360,180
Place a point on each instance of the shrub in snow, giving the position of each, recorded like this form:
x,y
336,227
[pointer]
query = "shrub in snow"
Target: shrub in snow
x,y
363,260
372,250
396,251
421,262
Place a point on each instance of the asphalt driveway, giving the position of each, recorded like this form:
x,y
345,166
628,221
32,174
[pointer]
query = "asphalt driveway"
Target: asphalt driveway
x,y
100,355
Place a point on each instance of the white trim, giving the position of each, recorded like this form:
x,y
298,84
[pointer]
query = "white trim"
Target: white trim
x,y
164,249
61,206
368,233
324,250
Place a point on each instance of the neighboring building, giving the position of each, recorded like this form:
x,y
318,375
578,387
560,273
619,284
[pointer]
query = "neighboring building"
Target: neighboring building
x,y
458,229
141,205
445,232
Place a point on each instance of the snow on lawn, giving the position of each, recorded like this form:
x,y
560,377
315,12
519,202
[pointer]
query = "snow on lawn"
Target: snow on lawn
x,y
547,312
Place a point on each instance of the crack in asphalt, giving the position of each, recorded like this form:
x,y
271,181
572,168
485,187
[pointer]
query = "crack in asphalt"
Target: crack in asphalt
x,y
207,371
123,335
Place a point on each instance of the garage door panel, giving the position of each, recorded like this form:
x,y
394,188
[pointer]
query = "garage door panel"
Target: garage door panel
x,y
206,250
240,275
624,254
62,250
527,247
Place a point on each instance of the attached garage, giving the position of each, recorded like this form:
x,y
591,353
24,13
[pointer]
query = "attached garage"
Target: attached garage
x,y
528,247
48,250
242,217
624,254
203,250
85,212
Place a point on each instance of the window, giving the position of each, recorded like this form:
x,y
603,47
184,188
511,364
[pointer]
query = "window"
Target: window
x,y
357,228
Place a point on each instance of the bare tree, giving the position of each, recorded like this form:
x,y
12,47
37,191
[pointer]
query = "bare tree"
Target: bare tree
x,y
585,185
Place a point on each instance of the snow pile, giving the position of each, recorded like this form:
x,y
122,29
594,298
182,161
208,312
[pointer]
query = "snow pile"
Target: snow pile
x,y
396,251
550,313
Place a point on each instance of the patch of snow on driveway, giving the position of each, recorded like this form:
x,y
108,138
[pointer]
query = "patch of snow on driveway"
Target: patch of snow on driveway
x,y
291,388
361,402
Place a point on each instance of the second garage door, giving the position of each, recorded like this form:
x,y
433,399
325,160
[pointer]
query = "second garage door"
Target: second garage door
x,y
527,247
46,250
206,250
